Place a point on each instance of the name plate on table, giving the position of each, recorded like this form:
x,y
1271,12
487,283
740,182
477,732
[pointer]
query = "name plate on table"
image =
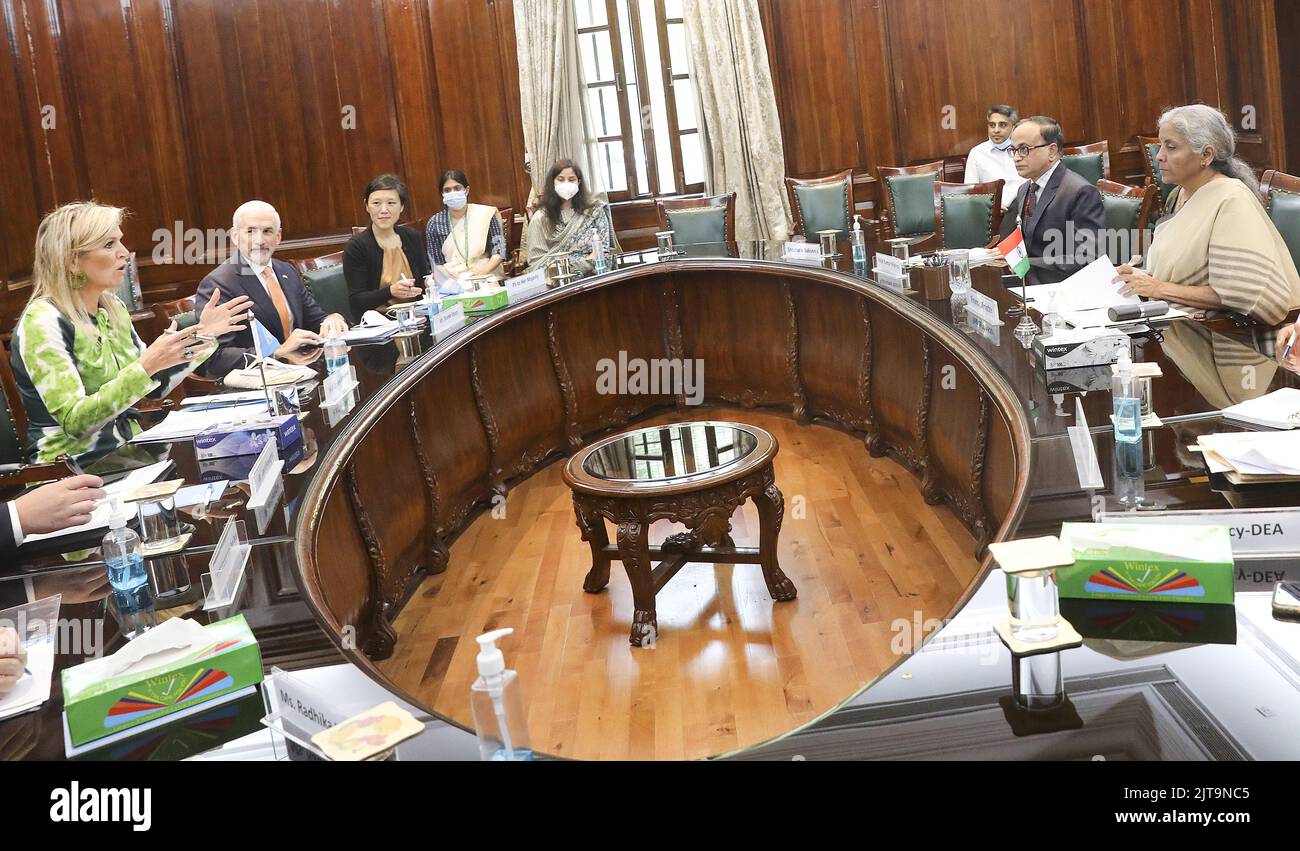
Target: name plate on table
x,y
337,385
1254,532
226,566
302,705
449,320
888,264
802,252
526,286
982,306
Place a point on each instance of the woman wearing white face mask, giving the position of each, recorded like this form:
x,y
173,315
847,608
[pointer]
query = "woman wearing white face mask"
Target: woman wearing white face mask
x,y
568,222
465,238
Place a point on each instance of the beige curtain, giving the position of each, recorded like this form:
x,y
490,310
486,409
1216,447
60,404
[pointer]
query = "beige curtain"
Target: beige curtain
x,y
551,93
740,127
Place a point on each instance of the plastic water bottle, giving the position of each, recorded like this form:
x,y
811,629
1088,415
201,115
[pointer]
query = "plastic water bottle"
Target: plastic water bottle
x,y
336,354
496,699
1127,413
601,265
126,574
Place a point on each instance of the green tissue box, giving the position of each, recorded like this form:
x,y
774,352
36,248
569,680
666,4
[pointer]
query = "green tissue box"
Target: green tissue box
x,y
484,301
194,664
1174,564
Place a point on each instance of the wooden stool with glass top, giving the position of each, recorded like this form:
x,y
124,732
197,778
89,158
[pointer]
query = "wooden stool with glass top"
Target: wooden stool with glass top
x,y
696,474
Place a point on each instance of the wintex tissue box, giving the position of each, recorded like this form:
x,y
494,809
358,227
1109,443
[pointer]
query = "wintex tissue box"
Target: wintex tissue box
x,y
483,301
1173,564
228,440
173,667
1079,347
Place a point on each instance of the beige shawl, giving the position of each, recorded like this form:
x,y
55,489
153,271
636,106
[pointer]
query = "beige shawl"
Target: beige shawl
x,y
1222,237
468,241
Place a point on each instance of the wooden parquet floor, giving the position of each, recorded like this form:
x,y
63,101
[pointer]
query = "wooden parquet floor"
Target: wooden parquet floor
x,y
731,668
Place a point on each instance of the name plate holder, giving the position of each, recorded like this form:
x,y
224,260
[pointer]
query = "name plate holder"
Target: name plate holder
x,y
225,577
1255,533
449,321
802,252
525,286
296,711
983,307
1085,452
266,482
335,413
890,274
337,385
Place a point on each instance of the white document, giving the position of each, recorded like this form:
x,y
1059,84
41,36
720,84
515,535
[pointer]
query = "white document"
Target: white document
x,y
184,424
103,509
1279,409
1272,453
32,689
1091,287
225,398
372,333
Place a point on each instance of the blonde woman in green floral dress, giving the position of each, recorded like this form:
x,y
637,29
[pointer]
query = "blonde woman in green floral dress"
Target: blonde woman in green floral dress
x,y
79,364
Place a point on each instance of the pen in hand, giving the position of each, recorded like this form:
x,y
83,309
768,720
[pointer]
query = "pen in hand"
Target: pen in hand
x,y
1286,353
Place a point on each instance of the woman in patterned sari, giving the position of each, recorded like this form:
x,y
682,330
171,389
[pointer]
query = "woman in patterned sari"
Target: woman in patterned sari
x,y
79,364
465,239
569,222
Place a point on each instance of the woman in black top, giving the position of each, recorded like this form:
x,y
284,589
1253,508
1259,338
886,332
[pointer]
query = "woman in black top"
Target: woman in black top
x,y
386,262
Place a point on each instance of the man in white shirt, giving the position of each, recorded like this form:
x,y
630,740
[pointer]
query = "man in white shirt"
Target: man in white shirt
x,y
991,160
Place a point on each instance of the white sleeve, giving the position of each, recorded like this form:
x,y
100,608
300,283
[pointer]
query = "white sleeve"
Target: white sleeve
x,y
17,524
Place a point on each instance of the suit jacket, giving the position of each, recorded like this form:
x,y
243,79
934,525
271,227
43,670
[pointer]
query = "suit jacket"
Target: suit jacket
x,y
235,278
363,266
1066,199
7,545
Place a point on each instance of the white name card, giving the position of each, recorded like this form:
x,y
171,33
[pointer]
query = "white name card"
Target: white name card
x,y
890,281
526,286
802,252
1253,531
982,306
337,384
887,264
449,320
304,707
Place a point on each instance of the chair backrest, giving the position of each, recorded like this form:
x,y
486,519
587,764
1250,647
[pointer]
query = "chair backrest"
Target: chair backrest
x,y
13,419
1282,193
1128,211
1091,161
970,214
696,221
181,310
911,204
821,203
1150,146
324,277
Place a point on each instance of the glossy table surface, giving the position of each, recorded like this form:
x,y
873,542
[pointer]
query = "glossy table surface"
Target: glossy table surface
x,y
665,453
1149,683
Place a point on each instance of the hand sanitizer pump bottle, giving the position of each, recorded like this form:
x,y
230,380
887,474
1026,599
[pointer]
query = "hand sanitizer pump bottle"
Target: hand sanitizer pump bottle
x,y
498,704
859,243
124,557
1127,413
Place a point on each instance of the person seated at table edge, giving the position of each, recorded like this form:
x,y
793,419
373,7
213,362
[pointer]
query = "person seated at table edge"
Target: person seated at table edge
x,y
79,365
1059,213
1220,250
464,237
991,159
568,220
386,262
278,297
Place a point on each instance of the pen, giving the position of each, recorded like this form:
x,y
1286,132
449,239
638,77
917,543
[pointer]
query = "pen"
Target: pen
x,y
204,337
1286,353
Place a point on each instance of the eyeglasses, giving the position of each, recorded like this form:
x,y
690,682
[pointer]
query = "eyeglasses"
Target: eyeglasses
x,y
1018,152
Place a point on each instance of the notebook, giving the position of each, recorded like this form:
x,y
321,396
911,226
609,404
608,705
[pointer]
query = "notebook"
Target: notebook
x,y
1279,409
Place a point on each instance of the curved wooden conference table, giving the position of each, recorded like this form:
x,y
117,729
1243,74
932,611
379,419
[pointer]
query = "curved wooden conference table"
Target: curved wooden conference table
x,y
431,440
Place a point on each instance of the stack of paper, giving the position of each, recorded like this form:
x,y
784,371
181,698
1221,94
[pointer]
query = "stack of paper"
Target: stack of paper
x,y
1091,287
103,509
187,422
1279,409
1253,457
277,373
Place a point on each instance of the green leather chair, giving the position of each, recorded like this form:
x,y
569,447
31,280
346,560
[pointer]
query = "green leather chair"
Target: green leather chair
x,y
1091,162
909,196
1151,150
966,220
12,419
1283,193
823,203
11,448
699,221
330,289
1128,209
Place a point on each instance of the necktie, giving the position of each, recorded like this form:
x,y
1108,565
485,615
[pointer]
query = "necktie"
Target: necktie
x,y
1031,198
278,299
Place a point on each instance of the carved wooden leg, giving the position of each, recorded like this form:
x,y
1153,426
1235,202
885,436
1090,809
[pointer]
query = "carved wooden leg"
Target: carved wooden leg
x,y
439,555
771,511
592,527
634,551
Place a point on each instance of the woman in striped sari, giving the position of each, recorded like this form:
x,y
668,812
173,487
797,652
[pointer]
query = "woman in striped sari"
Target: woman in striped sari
x,y
1219,251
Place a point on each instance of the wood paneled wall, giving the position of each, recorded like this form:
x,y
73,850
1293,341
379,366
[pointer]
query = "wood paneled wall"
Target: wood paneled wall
x,y
182,109
863,83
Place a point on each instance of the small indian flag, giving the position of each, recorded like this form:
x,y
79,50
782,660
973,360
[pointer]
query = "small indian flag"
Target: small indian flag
x,y
1013,248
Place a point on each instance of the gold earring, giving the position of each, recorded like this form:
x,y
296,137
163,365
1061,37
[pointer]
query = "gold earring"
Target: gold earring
x,y
77,280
